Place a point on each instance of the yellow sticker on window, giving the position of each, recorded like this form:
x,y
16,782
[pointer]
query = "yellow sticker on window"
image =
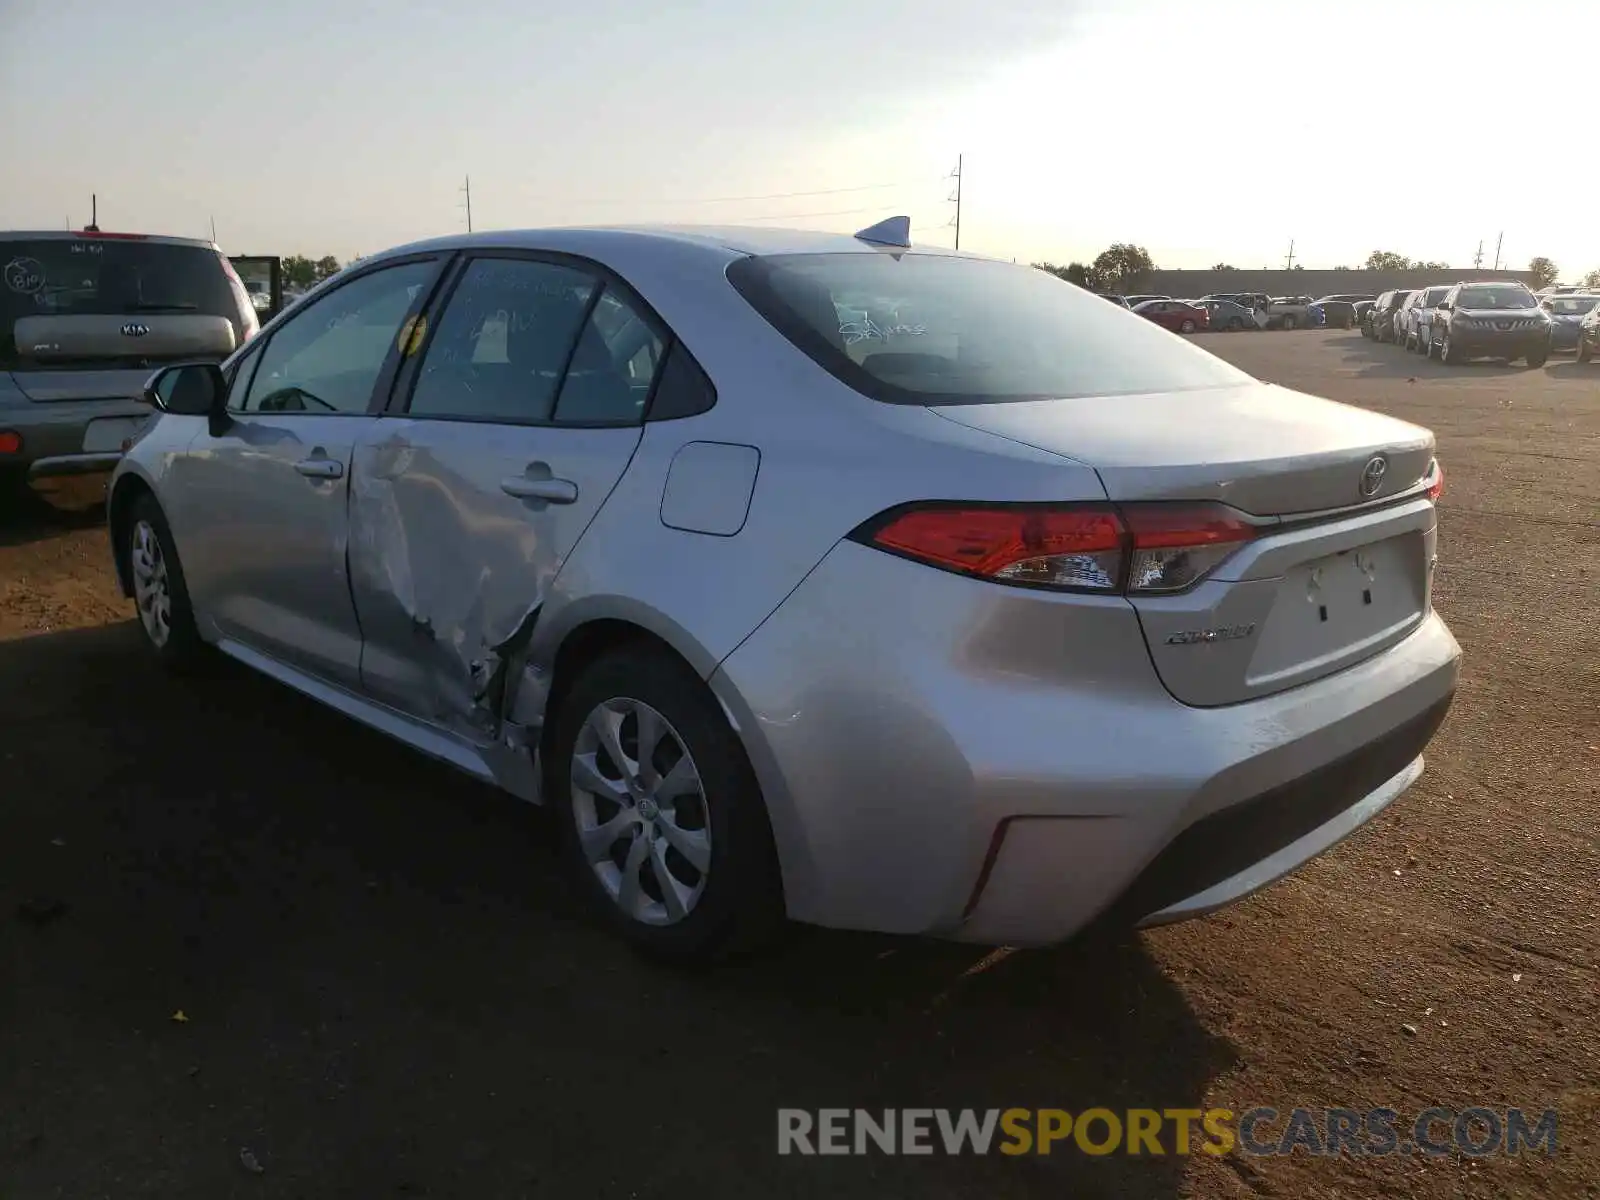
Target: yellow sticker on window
x,y
411,335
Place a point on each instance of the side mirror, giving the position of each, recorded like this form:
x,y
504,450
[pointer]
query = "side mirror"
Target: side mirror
x,y
1445,306
187,389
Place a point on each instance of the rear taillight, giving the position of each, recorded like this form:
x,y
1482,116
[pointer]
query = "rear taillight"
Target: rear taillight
x,y
10,443
1434,480
1134,548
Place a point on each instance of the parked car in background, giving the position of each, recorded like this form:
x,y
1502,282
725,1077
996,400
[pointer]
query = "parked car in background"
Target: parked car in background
x,y
85,316
440,495
1567,312
1381,319
1333,314
1491,320
1349,297
1415,318
1225,314
1180,316
1362,309
1254,301
1119,301
1135,301
1288,312
1589,335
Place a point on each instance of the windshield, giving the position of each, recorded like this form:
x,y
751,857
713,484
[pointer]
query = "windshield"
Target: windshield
x,y
925,329
1572,306
76,277
1496,297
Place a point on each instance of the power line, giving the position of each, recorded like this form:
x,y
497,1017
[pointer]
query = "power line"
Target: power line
x,y
837,212
864,187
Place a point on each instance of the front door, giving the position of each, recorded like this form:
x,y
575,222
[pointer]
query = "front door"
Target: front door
x,y
512,429
267,492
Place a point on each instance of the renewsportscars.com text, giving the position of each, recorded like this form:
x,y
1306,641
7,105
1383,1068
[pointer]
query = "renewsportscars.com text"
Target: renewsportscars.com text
x,y
1474,1132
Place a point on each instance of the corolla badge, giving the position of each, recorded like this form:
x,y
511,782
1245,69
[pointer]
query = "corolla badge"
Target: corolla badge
x,y
135,329
1200,637
1372,474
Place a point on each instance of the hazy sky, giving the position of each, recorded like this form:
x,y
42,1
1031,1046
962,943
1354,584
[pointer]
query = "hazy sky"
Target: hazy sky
x,y
1205,130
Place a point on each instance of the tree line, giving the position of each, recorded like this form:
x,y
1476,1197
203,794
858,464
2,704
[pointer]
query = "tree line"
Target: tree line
x,y
1123,266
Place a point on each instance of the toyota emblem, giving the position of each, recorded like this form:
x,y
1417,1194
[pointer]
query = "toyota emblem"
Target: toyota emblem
x,y
135,329
1372,475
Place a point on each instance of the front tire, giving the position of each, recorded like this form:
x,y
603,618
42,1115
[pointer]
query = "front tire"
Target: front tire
x,y
1537,358
160,594
1186,327
1448,354
663,824
1584,353
1291,322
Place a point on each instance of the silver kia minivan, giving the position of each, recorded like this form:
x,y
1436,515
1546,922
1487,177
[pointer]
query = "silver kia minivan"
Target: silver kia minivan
x,y
85,316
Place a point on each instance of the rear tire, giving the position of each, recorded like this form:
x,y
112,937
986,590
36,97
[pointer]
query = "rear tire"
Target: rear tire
x,y
1291,322
1186,326
714,813
166,618
1235,324
1584,353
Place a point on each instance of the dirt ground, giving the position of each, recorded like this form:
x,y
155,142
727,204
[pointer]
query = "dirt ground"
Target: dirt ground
x,y
386,993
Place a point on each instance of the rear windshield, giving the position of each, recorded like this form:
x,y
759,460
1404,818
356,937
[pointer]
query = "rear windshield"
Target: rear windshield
x,y
1496,297
925,329
107,277
1571,306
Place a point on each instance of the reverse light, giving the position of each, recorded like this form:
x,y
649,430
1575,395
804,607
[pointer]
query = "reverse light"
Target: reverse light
x,y
1133,548
1433,481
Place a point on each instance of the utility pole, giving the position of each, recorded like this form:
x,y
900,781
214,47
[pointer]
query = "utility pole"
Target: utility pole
x,y
94,214
1288,264
213,231
956,200
1498,239
468,190
1477,259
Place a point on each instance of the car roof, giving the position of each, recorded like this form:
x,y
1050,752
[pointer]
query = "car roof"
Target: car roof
x,y
723,242
62,235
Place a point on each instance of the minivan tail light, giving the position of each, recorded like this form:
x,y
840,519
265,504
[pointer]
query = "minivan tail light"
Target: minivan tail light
x,y
1137,548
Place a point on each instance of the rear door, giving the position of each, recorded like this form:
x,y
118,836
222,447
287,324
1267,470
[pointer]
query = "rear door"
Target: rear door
x,y
265,495
505,437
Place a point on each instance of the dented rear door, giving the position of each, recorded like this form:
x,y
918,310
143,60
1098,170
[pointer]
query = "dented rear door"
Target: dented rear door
x,y
518,420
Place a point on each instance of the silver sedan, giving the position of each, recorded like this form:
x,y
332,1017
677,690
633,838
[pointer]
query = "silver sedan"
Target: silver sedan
x,y
810,576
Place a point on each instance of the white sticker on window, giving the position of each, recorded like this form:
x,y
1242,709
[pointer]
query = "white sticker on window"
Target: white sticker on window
x,y
25,276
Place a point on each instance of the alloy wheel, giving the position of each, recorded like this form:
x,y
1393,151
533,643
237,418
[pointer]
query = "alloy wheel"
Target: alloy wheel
x,y
640,811
152,589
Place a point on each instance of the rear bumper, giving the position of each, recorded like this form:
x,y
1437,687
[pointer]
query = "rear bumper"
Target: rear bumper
x,y
982,765
53,435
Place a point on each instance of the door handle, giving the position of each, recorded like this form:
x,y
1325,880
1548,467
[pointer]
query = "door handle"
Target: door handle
x,y
555,491
320,468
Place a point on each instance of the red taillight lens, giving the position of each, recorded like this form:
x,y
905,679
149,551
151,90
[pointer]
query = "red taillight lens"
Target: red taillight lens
x,y
1144,548
10,443
1434,480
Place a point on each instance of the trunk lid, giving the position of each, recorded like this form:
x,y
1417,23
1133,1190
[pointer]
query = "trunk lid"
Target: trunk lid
x,y
1333,576
88,356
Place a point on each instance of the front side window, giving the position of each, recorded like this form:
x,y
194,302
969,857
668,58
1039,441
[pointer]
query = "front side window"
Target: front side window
x,y
327,358
927,329
503,341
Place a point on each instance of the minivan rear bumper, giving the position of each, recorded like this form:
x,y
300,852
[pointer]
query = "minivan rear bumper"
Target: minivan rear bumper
x,y
53,435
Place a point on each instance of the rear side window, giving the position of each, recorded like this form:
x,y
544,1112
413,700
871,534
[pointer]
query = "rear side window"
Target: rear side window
x,y
69,278
927,329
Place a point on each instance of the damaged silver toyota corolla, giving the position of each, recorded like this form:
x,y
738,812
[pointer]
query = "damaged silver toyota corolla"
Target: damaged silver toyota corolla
x,y
810,576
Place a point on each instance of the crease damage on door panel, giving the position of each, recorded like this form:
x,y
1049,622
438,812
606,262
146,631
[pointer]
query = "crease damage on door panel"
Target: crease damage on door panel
x,y
412,551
